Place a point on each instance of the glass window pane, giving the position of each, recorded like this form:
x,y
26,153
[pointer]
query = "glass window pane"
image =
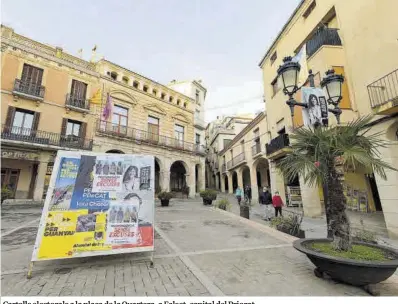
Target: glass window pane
x,y
28,121
69,128
179,128
76,129
18,119
123,120
120,110
115,119
153,120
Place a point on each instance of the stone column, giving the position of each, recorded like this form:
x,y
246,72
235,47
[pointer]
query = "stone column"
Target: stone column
x,y
388,190
311,201
217,182
40,177
230,183
222,184
165,176
277,181
202,177
240,178
253,184
191,181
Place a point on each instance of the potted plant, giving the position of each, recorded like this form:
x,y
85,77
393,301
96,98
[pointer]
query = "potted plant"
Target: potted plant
x,y
165,198
208,196
288,224
223,204
6,193
321,155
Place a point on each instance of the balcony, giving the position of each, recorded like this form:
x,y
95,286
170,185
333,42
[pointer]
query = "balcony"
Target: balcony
x,y
77,103
57,140
28,90
383,94
140,136
256,149
277,146
324,36
237,160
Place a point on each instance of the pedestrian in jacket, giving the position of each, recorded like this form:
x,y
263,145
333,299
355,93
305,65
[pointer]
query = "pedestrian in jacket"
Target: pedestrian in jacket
x,y
277,203
248,193
267,201
238,194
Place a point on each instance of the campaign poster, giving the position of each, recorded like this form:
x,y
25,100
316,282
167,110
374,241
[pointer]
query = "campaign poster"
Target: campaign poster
x,y
316,112
97,204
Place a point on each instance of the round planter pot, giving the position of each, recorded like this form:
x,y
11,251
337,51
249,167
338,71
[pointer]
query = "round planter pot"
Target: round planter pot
x,y
164,203
207,202
353,272
245,211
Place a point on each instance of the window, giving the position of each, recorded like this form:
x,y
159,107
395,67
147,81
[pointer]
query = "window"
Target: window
x,y
185,104
119,119
226,142
171,99
145,88
275,86
9,179
23,122
309,9
179,135
154,92
197,95
31,80
257,135
114,75
153,128
197,139
136,84
273,57
125,80
163,96
78,94
73,128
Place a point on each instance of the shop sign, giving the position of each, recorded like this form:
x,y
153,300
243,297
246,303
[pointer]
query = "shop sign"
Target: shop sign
x,y
19,155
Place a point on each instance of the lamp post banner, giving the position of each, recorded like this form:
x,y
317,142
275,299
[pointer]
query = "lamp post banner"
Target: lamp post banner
x,y
97,204
317,110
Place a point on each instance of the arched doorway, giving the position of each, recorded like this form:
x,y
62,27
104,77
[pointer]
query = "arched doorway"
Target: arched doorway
x,y
246,176
114,151
263,174
197,178
158,186
234,181
213,181
226,183
178,176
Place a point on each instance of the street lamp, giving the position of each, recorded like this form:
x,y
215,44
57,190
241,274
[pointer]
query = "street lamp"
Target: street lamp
x,y
288,74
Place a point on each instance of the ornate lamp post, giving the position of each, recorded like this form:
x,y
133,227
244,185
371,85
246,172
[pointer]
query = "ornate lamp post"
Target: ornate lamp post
x,y
288,74
331,84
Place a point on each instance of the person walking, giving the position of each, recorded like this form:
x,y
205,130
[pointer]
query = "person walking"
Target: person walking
x,y
238,194
267,201
248,193
277,203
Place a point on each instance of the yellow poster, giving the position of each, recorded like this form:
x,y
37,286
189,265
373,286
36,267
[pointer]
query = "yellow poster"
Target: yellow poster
x,y
69,232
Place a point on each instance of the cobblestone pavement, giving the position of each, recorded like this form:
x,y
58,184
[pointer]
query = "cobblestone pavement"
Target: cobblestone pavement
x,y
199,251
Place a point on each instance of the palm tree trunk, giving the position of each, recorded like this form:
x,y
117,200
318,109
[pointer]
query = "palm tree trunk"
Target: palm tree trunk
x,y
336,209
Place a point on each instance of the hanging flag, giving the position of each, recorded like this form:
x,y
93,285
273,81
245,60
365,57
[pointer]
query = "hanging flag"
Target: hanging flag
x,y
301,57
108,108
97,97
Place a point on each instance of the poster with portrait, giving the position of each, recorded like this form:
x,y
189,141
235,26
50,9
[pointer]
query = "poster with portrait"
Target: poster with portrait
x,y
316,112
97,204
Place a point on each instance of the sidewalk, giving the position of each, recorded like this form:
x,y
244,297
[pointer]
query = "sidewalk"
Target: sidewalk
x,y
316,227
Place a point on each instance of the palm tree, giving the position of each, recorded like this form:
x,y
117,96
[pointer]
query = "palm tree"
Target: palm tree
x,y
315,154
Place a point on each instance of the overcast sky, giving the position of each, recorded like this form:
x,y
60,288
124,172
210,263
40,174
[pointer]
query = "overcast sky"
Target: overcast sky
x,y
218,41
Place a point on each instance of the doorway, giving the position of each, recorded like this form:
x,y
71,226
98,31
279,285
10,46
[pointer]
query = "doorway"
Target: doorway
x,y
9,179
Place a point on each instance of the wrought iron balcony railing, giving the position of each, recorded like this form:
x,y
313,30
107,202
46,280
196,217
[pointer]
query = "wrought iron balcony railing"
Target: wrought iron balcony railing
x,y
108,128
278,143
256,149
236,161
45,138
77,102
28,89
324,36
384,90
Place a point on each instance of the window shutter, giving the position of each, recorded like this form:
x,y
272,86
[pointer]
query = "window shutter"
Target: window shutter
x,y
35,124
83,128
64,125
9,119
